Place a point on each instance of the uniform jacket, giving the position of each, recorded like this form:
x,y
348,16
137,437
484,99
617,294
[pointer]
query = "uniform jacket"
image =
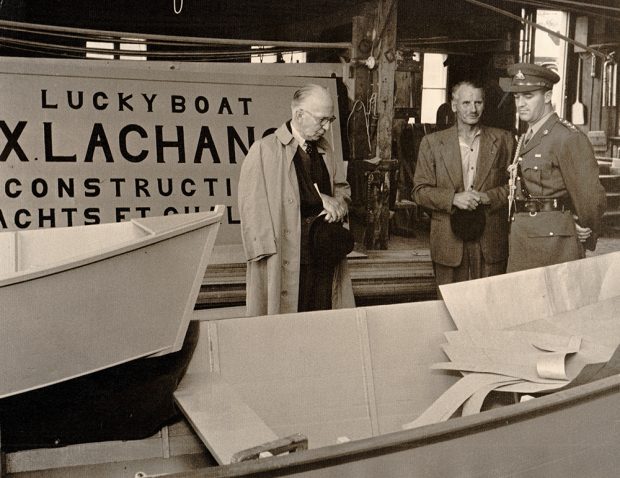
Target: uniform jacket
x,y
439,176
271,224
559,161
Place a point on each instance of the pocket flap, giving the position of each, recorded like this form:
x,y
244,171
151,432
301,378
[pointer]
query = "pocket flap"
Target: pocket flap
x,y
550,224
537,164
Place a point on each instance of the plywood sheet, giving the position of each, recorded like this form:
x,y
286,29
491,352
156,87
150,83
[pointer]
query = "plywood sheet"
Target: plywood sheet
x,y
299,372
510,300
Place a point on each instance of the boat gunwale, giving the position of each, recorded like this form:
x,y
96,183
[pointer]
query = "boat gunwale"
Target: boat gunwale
x,y
393,442
121,248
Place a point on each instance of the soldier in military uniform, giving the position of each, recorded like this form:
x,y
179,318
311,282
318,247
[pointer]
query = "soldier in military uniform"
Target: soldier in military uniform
x,y
556,198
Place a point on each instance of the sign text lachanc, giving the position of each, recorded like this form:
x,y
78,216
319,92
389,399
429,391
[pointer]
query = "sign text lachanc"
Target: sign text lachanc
x,y
84,145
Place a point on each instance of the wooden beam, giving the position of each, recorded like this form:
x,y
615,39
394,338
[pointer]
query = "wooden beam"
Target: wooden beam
x,y
386,71
361,40
378,217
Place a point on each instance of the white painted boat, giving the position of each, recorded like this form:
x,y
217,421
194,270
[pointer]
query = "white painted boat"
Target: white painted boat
x,y
77,300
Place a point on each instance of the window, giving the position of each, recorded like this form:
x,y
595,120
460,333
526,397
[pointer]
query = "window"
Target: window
x,y
434,81
286,57
550,51
110,46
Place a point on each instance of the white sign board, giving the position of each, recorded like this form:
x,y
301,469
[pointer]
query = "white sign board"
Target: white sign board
x,y
82,143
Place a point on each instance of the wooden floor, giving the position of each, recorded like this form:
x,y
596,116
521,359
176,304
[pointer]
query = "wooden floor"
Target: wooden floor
x,y
403,273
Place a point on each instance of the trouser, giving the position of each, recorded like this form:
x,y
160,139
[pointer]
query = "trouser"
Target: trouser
x,y
315,287
472,266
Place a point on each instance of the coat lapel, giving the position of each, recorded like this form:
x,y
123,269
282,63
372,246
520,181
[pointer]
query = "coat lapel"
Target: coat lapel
x,y
451,155
290,148
537,138
486,157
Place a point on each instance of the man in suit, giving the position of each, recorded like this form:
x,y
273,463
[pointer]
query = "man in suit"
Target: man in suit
x,y
557,199
291,181
461,178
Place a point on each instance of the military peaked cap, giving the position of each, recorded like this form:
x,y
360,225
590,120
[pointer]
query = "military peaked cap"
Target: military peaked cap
x,y
528,77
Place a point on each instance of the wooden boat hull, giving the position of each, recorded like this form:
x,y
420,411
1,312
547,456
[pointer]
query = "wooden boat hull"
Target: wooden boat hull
x,y
572,434
129,296
363,373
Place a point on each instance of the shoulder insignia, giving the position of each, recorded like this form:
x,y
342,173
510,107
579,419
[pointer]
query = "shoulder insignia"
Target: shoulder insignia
x,y
569,125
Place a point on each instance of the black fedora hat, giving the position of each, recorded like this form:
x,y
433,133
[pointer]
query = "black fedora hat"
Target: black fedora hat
x,y
468,225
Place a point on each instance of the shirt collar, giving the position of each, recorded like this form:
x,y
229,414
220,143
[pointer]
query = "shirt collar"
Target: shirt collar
x,y
301,141
536,126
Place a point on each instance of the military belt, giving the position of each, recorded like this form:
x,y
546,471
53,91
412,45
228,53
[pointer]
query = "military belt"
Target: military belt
x,y
533,205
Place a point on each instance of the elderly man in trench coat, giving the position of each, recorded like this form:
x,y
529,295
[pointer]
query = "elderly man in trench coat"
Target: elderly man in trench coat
x,y
270,206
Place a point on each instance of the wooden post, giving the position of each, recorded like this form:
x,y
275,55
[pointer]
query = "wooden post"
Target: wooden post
x,y
380,185
361,42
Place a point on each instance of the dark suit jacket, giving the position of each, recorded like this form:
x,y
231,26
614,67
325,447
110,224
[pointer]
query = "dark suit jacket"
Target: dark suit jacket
x,y
439,176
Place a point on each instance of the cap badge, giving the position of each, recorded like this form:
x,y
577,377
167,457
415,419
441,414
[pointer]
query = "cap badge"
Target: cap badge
x,y
519,75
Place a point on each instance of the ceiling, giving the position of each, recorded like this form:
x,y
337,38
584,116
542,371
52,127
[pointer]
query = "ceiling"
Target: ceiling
x,y
451,25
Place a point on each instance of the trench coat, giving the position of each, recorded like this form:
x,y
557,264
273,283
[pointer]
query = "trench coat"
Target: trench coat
x,y
557,162
269,208
439,176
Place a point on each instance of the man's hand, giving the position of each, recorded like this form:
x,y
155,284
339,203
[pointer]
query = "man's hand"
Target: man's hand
x,y
484,198
583,233
469,200
335,210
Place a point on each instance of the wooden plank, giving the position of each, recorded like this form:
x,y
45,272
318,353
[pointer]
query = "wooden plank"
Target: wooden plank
x,y
219,416
388,275
83,454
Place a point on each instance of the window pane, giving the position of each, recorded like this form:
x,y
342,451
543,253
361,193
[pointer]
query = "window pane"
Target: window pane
x,y
550,51
434,80
101,46
434,72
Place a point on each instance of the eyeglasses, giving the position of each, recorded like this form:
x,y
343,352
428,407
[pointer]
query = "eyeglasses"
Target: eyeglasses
x,y
322,121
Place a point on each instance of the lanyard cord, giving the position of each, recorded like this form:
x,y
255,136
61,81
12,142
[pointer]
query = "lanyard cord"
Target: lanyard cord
x,y
512,182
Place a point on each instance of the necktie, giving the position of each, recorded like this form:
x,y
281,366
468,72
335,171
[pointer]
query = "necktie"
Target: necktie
x,y
529,135
311,149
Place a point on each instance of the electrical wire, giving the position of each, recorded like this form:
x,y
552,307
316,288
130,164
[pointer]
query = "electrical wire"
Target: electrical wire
x,y
366,121
44,39
174,6
180,40
586,5
540,27
79,52
544,4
